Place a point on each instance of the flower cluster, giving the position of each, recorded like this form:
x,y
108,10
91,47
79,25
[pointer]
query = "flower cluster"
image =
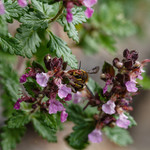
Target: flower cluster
x,y
69,4
22,3
117,93
53,85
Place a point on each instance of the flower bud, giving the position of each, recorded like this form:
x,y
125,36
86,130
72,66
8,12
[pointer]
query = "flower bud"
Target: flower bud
x,y
126,53
134,55
137,64
103,76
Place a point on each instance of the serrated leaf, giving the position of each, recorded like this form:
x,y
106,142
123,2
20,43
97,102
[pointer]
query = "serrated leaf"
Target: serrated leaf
x,y
45,131
18,120
79,138
118,135
34,20
48,1
3,26
10,44
78,17
61,49
49,120
13,10
49,11
29,41
10,137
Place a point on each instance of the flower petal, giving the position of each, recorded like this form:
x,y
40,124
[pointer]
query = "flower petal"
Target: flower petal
x,y
2,8
109,107
89,12
95,136
42,79
89,3
131,86
63,116
22,3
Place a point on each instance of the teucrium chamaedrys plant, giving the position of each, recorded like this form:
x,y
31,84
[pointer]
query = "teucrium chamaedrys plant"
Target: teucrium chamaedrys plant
x,y
48,94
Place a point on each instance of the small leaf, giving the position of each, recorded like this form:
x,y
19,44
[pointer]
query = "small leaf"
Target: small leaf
x,y
17,120
78,17
61,49
118,135
10,44
10,137
36,65
45,131
79,138
29,41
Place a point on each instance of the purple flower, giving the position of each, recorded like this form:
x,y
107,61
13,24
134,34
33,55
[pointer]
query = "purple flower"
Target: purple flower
x,y
22,3
95,136
42,79
109,107
63,116
55,106
106,86
17,104
23,78
2,9
122,121
89,3
89,12
63,91
69,15
131,86
77,98
68,98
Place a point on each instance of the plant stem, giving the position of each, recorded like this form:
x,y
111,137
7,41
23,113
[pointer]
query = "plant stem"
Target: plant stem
x,y
58,14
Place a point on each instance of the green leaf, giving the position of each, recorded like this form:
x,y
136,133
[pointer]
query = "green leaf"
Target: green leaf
x,y
34,20
36,65
18,120
79,138
3,26
31,88
49,120
13,10
10,44
29,41
77,115
49,11
78,17
10,84
48,1
132,121
45,131
118,135
61,49
10,137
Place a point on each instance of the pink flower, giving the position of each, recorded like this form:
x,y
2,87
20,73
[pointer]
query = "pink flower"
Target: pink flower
x,y
77,97
69,15
23,78
63,116
63,91
42,79
122,121
131,86
89,12
95,136
55,106
17,104
89,3
22,3
109,107
2,9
